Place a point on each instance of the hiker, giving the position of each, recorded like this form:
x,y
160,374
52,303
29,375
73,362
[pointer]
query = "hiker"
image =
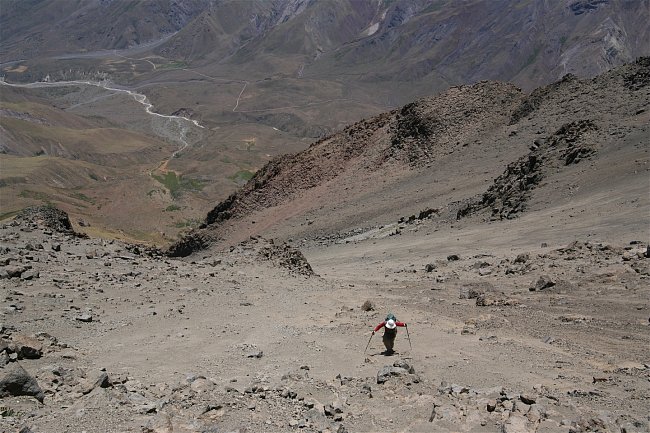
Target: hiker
x,y
390,325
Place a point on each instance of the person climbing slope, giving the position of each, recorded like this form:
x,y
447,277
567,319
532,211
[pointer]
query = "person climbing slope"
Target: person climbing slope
x,y
390,325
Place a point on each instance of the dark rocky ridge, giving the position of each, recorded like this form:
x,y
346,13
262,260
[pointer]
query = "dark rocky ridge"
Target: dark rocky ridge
x,y
508,195
46,217
411,136
423,130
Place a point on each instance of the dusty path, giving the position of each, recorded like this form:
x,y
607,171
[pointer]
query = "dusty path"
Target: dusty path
x,y
239,96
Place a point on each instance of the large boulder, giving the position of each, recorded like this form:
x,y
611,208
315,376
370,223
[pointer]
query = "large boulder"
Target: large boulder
x,y
399,368
544,282
517,424
13,271
15,381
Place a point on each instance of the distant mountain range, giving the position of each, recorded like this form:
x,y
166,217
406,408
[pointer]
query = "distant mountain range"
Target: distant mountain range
x,y
434,42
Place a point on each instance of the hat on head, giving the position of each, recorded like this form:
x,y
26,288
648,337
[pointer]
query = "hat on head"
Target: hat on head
x,y
391,324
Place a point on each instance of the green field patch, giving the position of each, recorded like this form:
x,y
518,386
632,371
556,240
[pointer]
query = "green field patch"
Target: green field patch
x,y
36,195
176,185
83,197
242,176
187,223
172,208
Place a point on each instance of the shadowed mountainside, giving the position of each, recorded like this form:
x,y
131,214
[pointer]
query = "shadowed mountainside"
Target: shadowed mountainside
x,y
435,44
39,28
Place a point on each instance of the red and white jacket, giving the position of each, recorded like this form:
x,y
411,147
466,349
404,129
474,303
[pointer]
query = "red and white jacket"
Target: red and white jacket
x,y
382,324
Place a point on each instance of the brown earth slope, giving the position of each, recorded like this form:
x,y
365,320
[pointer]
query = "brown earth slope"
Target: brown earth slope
x,y
529,314
104,175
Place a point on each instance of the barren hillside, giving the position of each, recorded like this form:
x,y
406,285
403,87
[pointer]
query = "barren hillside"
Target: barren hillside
x,y
511,328
487,150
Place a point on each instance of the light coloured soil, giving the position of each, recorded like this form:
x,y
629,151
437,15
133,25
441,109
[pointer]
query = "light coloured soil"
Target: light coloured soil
x,y
182,335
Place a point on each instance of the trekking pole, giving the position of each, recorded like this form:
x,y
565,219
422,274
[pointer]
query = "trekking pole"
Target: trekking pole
x,y
364,352
409,337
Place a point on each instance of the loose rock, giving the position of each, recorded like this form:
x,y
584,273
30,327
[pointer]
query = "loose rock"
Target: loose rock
x,y
544,282
15,381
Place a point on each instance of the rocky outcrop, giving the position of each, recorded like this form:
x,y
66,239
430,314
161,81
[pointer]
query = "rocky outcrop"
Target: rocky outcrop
x,y
281,255
639,77
510,192
535,99
429,128
46,217
400,368
287,257
190,243
585,6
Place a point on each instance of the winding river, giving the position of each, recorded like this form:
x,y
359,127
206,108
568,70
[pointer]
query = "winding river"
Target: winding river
x,y
138,97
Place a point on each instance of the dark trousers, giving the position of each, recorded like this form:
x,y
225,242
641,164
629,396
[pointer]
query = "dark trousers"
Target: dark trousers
x,y
389,338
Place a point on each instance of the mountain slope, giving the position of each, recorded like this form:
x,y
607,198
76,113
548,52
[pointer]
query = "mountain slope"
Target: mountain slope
x,y
442,152
101,173
434,44
40,28
276,28
528,43
269,77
